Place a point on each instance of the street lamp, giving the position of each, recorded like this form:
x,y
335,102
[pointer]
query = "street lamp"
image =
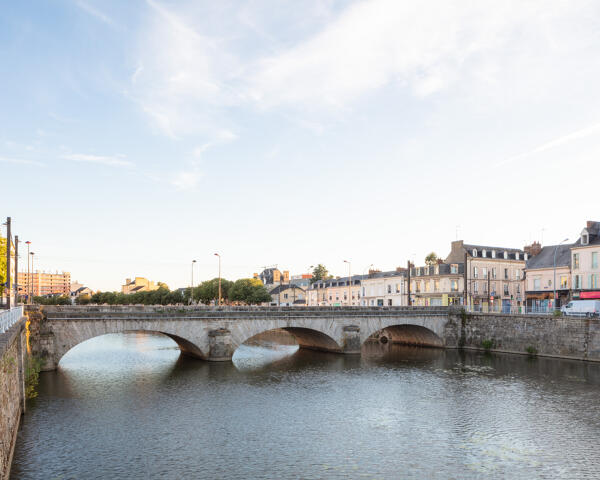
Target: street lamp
x,y
349,280
217,255
554,282
32,272
28,274
192,287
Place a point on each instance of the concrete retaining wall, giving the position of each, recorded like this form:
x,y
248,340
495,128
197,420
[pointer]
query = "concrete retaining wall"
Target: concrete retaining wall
x,y
565,337
13,348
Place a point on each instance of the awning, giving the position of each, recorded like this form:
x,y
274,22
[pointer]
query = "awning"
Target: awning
x,y
589,295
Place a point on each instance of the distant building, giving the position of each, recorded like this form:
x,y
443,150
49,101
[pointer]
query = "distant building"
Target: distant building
x,y
302,280
288,295
272,277
441,284
81,291
384,288
139,284
42,283
340,291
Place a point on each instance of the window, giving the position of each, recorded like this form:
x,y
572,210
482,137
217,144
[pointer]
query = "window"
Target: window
x,y
506,274
475,287
474,252
516,255
506,289
549,283
564,281
494,272
594,259
363,289
483,252
397,288
518,288
285,296
576,260
436,285
454,285
517,274
493,253
484,272
505,255
577,282
437,270
475,272
593,281
389,289
454,268
390,302
536,284
585,238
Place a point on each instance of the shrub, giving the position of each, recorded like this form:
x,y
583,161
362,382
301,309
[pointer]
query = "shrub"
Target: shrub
x,y
557,313
487,344
531,350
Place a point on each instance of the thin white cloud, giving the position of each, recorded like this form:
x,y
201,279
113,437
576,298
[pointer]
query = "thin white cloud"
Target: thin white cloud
x,y
557,142
95,12
111,161
186,180
20,161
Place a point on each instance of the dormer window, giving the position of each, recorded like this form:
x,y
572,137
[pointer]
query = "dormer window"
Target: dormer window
x,y
483,252
516,255
525,257
505,255
493,253
474,252
585,237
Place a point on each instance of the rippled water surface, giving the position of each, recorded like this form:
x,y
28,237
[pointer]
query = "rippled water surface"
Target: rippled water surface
x,y
129,407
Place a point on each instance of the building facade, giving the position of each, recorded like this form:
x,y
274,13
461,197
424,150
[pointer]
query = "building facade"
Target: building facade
x,y
138,284
288,295
384,288
539,277
441,284
42,283
336,292
585,263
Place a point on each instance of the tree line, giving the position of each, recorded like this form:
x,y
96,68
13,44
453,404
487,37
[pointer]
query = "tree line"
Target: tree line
x,y
247,291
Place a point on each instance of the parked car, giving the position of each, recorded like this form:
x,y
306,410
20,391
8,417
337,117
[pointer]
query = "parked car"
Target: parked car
x,y
582,308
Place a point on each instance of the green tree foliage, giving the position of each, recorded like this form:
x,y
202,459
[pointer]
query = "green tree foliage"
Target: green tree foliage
x,y
161,296
320,272
55,300
431,259
250,291
208,291
84,299
2,264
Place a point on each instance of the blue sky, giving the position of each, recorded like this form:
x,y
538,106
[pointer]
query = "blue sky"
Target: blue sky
x,y
137,136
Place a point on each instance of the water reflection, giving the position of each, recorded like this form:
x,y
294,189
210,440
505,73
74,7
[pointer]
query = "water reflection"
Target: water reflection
x,y
129,406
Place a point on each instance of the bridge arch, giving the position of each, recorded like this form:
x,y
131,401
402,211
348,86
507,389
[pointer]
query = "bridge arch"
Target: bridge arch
x,y
307,338
407,334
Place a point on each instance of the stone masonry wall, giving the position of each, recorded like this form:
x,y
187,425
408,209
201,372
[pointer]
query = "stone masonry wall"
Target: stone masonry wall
x,y
12,391
566,337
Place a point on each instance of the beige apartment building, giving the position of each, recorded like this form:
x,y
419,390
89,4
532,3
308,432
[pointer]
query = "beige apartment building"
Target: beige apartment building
x,y
288,295
43,283
437,285
384,288
540,274
501,268
138,284
585,263
336,292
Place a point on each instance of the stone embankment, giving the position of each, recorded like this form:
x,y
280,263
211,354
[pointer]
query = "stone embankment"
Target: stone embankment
x,y
575,338
13,350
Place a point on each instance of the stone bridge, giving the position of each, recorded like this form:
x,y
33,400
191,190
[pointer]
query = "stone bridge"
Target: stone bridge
x,y
213,333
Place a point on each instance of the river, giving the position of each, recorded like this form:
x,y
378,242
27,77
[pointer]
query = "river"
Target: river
x,y
128,406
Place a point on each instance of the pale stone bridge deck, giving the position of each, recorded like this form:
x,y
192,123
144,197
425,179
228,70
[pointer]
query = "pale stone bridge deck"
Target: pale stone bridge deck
x,y
213,333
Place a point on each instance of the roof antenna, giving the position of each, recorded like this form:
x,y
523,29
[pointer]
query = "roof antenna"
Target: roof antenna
x,y
456,231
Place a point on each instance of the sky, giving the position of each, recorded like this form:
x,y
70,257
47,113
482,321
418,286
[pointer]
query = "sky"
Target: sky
x,y
137,136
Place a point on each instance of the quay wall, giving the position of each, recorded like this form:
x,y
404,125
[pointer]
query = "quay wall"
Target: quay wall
x,y
13,349
545,335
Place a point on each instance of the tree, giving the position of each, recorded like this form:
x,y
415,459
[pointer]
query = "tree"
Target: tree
x,y
208,291
162,285
250,291
2,264
84,299
320,272
431,259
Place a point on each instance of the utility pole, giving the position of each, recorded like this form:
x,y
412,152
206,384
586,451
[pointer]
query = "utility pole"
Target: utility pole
x,y
409,302
16,270
465,273
8,245
216,254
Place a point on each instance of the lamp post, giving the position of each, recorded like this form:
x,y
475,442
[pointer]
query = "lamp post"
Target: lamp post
x,y
192,286
554,281
310,268
28,275
32,272
349,281
217,255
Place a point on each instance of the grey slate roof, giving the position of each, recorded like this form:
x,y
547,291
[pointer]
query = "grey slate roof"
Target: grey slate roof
x,y
594,234
545,259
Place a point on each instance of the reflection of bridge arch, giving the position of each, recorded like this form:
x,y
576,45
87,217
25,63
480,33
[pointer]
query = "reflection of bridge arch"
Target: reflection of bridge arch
x,y
307,338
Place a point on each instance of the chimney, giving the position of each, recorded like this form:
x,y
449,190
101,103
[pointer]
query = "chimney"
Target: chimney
x,y
127,281
286,276
255,275
533,249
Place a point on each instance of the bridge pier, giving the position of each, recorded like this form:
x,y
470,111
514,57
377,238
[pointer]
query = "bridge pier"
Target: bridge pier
x,y
351,340
220,345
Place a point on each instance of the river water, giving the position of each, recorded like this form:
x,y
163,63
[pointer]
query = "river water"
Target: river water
x,y
128,406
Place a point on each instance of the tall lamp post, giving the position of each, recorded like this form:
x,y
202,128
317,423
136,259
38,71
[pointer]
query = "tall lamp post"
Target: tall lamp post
x,y
32,254
349,281
217,255
28,275
192,286
554,281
